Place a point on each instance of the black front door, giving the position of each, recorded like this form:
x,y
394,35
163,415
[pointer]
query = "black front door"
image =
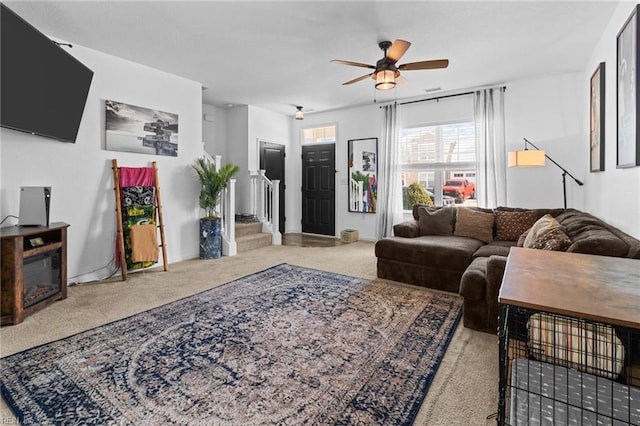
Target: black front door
x,y
318,189
272,162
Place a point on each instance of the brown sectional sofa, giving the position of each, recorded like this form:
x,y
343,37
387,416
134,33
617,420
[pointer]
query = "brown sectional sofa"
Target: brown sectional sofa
x,y
436,251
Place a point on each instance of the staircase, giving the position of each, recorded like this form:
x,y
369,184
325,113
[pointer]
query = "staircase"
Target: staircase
x,y
243,232
249,235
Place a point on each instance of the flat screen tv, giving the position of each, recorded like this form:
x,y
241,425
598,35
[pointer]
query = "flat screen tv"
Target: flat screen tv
x,y
43,88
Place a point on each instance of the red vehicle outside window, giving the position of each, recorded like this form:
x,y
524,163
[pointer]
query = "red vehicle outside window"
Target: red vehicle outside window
x,y
459,188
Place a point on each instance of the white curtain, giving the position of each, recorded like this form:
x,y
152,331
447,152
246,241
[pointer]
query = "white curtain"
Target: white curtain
x,y
491,185
389,205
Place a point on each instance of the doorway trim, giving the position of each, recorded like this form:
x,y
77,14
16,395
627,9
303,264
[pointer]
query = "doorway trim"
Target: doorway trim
x,y
282,190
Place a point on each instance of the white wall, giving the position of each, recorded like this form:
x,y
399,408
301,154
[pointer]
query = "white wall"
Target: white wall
x,y
551,111
548,112
214,130
80,174
246,126
614,194
271,127
353,123
237,152
359,123
268,126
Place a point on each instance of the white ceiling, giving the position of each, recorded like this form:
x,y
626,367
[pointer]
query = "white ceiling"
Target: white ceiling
x,y
276,54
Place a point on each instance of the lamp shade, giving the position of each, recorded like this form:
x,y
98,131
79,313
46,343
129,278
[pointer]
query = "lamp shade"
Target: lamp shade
x,y
385,79
299,113
526,158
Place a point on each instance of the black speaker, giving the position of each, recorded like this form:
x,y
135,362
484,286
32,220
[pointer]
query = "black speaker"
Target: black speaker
x,y
34,205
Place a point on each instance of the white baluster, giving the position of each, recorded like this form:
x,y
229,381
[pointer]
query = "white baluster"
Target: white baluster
x,y
276,236
230,247
261,196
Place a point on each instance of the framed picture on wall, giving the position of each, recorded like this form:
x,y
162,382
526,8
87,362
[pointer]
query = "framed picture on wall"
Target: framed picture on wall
x,y
363,175
132,128
628,142
596,120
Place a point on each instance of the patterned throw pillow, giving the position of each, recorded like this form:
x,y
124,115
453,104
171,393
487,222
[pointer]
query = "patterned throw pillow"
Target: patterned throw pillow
x,y
547,234
474,224
511,225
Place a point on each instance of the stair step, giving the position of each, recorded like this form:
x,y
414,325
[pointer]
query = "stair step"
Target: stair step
x,y
253,241
243,229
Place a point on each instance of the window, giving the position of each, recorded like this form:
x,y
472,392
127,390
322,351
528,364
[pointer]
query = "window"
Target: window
x,y
443,159
326,134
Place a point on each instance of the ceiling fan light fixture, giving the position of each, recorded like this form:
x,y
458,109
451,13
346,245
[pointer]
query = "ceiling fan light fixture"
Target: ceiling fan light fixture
x,y
299,113
386,71
385,79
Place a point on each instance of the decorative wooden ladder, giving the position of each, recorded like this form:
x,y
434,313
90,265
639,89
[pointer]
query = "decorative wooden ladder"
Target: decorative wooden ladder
x,y
158,217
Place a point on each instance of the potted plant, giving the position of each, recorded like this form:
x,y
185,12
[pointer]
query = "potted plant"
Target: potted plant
x,y
213,182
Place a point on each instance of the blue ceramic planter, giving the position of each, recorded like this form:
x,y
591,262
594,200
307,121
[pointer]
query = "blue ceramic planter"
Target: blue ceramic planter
x,y
210,240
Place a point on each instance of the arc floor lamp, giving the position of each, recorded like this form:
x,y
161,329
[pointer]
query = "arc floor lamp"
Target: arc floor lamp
x,y
536,158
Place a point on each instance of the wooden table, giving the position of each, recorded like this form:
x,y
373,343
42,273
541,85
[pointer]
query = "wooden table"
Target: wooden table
x,y
596,288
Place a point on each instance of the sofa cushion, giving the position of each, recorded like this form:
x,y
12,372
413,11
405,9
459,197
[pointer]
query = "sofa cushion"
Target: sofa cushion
x,y
474,224
596,240
444,252
510,225
473,282
497,248
547,234
416,207
589,235
408,229
435,221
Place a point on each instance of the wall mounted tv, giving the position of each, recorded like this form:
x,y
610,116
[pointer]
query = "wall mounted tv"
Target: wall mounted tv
x,y
43,88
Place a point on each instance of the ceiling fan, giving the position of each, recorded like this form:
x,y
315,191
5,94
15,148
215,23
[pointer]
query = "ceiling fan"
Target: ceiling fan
x,y
386,73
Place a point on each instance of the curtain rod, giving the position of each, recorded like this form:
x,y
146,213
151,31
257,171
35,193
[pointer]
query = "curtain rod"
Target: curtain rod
x,y
435,98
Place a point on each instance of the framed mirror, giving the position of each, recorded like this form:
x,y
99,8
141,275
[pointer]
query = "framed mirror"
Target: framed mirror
x,y
363,175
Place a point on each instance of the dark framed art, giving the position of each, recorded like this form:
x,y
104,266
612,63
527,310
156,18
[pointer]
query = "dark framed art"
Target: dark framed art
x,y
596,119
628,139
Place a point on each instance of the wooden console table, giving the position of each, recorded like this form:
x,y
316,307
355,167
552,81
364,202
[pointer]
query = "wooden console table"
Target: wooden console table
x,y
34,269
597,288
594,288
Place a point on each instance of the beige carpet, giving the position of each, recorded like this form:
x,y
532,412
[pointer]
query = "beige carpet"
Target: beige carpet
x,y
464,391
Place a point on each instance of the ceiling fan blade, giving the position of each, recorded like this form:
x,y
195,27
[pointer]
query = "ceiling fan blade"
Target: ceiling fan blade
x,y
401,81
398,48
425,65
355,80
354,64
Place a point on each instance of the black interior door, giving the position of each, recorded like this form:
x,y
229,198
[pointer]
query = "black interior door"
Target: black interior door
x,y
318,189
272,162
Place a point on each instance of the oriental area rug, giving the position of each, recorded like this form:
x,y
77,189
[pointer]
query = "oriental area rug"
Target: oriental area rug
x,y
287,345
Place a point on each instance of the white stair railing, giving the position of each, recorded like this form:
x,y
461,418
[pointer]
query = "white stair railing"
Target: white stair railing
x,y
228,225
265,204
356,195
227,209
